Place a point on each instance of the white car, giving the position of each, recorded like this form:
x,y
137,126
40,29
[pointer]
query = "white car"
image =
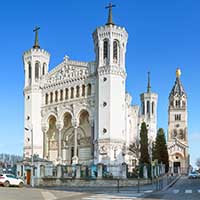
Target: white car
x,y
10,179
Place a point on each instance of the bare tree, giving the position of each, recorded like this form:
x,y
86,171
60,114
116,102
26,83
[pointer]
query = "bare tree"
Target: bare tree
x,y
135,148
198,162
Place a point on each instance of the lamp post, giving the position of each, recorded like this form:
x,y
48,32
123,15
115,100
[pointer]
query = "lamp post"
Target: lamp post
x,y
32,167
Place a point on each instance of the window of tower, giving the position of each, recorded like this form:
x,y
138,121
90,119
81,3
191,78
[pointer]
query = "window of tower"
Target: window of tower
x,y
51,97
181,134
105,49
37,65
115,51
72,93
152,108
43,68
148,107
46,99
175,133
143,108
89,89
61,95
177,117
183,103
83,90
178,103
56,96
29,70
66,93
77,91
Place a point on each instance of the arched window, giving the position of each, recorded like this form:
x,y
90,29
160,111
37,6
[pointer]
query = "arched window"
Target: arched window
x,y
152,108
175,133
143,108
46,99
56,96
89,89
105,49
72,93
37,69
115,51
83,90
66,93
44,69
148,107
29,70
61,95
77,91
51,97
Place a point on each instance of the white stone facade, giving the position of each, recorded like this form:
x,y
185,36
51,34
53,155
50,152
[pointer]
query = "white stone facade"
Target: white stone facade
x,y
79,112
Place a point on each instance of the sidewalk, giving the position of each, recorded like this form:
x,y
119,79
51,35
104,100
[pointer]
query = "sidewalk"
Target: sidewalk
x,y
157,184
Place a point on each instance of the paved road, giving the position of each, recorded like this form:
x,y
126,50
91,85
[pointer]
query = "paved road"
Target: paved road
x,y
50,194
184,189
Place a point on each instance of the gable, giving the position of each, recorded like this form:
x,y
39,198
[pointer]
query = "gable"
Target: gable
x,y
67,71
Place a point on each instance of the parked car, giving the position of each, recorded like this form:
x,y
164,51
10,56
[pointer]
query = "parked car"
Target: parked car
x,y
10,179
193,175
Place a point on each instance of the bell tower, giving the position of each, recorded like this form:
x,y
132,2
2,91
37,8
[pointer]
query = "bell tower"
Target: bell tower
x,y
36,62
110,48
148,113
178,128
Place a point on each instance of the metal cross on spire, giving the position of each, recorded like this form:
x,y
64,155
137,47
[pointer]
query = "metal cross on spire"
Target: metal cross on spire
x,y
110,21
36,43
149,83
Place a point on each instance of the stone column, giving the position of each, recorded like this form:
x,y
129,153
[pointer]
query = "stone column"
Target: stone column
x,y
59,127
45,142
91,122
124,170
75,157
100,171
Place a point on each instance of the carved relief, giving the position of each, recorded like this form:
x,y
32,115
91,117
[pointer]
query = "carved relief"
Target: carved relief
x,y
68,72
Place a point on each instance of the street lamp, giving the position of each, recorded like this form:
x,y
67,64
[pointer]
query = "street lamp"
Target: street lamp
x,y
32,167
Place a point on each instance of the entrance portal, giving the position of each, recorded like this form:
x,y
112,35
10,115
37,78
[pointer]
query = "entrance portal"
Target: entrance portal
x,y
177,166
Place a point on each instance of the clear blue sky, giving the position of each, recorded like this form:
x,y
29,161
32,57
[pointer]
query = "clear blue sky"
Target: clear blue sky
x,y
162,36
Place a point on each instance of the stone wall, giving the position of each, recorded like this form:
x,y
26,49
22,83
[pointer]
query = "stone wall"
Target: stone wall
x,y
70,182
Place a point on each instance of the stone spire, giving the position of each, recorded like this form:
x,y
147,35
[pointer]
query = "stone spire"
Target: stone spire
x,y
110,21
149,84
36,43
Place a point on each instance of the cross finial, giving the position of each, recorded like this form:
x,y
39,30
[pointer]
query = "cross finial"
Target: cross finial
x,y
36,43
110,6
149,83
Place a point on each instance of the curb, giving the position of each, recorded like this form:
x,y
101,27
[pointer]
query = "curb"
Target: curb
x,y
171,184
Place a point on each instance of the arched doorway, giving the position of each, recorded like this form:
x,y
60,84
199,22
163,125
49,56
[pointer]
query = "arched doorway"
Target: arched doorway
x,y
84,138
82,146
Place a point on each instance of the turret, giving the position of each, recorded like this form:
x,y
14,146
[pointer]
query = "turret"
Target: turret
x,y
36,62
148,113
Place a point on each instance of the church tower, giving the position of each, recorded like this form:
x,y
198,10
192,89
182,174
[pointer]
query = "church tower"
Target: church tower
x,y
148,113
110,47
36,62
177,128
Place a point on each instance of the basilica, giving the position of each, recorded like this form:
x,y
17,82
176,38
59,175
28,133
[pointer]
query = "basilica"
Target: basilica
x,y
79,112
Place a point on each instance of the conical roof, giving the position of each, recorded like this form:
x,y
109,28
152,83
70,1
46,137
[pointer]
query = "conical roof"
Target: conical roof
x,y
178,87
